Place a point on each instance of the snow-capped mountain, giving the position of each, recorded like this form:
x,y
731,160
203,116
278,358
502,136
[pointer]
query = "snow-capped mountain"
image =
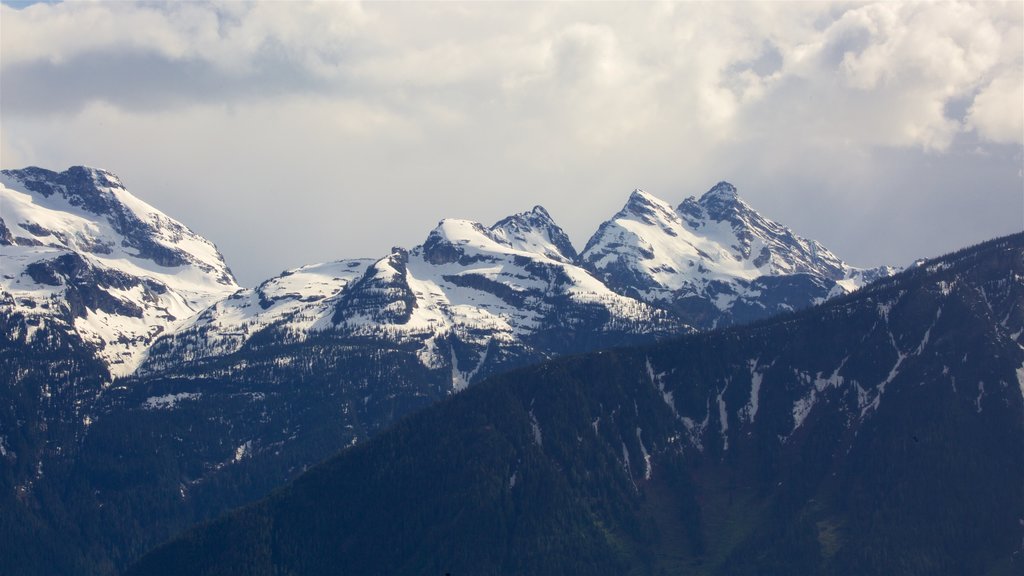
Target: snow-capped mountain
x,y
78,250
715,260
468,299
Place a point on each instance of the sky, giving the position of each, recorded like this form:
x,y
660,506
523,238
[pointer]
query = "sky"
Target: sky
x,y
294,133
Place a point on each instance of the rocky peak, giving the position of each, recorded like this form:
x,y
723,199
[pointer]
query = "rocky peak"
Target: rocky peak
x,y
82,186
125,222
446,242
721,192
535,231
720,203
648,208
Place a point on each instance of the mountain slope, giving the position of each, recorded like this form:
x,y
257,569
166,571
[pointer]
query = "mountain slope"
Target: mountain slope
x,y
880,433
715,261
81,251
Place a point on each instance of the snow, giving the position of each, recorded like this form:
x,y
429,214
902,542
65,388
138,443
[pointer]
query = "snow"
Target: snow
x,y
723,418
169,401
534,232
684,251
694,431
1020,379
299,301
802,407
67,229
535,427
646,455
495,290
750,410
658,380
460,380
243,451
625,461
893,372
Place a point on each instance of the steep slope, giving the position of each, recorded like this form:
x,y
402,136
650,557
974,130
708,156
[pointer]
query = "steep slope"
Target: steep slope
x,y
715,261
880,433
80,252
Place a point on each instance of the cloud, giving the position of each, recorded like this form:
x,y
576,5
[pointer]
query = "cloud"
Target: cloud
x,y
426,110
997,113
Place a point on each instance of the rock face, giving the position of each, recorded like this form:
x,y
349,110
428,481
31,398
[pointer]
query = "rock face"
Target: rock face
x,y
715,261
81,252
879,433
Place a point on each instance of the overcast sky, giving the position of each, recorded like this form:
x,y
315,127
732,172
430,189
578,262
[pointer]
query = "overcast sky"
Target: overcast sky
x,y
292,133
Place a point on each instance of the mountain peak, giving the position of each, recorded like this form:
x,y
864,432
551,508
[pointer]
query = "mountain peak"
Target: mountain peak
x,y
641,197
721,191
535,231
721,202
540,211
82,186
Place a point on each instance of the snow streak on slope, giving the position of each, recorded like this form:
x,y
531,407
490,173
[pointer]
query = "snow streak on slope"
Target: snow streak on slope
x,y
79,250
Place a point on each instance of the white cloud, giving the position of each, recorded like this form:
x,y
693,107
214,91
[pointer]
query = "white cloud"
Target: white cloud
x,y
998,110
477,109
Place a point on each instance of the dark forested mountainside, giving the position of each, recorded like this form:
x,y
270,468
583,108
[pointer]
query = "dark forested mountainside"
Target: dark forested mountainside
x,y
880,433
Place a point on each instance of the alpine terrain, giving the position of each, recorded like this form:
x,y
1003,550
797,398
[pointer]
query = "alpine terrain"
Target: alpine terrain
x,y
145,390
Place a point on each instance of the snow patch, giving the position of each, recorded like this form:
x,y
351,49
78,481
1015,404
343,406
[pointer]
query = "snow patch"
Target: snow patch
x,y
647,456
695,431
538,439
169,401
802,407
244,450
658,380
880,389
723,418
749,412
1020,379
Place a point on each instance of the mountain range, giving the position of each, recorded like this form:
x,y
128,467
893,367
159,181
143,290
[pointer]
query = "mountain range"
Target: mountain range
x,y
147,391
879,433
